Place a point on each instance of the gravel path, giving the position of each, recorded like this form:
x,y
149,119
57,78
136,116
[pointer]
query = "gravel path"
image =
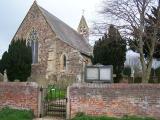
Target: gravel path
x,y
48,118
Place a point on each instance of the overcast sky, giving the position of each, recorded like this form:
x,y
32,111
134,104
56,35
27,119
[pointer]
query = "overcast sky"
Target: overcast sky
x,y
12,12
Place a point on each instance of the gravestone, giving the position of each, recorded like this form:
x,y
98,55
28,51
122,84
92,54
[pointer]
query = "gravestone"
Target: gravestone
x,y
5,79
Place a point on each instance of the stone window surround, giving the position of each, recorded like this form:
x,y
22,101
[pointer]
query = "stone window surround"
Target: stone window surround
x,y
27,40
62,68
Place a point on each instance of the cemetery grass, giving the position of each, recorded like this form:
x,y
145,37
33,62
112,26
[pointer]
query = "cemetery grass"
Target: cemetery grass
x,y
14,114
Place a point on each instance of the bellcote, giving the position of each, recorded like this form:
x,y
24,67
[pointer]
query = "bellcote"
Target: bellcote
x,y
83,28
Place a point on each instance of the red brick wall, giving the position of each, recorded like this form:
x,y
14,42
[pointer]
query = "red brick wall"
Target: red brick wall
x,y
115,99
19,95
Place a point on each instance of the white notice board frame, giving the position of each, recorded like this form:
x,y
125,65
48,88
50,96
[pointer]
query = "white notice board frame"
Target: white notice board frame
x,y
99,73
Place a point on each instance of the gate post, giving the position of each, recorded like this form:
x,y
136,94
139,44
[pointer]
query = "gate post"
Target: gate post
x,y
40,89
68,105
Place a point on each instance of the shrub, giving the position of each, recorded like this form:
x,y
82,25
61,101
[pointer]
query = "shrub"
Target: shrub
x,y
127,71
138,80
17,61
14,114
157,71
158,74
80,114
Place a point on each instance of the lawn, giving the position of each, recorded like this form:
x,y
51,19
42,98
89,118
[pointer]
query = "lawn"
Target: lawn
x,y
85,117
14,114
54,93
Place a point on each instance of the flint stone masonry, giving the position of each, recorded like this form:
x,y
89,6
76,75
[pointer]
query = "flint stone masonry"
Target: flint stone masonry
x,y
19,95
114,99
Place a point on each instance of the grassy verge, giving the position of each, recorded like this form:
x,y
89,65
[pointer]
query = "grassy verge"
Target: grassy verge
x,y
85,117
14,114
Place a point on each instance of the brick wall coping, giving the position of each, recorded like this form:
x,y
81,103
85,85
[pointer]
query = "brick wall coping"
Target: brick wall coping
x,y
32,84
115,86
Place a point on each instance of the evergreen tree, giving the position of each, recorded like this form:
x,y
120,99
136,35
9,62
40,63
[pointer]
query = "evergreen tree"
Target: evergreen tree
x,y
18,60
127,71
3,63
1,68
111,50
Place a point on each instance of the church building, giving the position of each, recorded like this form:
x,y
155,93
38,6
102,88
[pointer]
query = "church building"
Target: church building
x,y
59,53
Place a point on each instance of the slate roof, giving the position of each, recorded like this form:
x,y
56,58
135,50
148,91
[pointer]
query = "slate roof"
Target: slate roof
x,y
67,34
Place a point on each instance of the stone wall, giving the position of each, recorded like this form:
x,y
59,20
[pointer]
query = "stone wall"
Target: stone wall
x,y
114,99
20,96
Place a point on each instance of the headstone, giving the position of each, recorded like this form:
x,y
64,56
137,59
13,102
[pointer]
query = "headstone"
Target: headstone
x,y
78,78
16,80
5,79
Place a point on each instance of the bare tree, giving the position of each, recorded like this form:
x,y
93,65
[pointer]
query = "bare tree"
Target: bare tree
x,y
132,15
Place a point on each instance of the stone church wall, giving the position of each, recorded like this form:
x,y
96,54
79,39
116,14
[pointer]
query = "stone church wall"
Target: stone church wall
x,y
74,64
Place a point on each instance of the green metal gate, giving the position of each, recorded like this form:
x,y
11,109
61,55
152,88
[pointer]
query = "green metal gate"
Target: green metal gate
x,y
55,101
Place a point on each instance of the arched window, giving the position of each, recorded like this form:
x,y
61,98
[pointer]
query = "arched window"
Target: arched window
x,y
63,64
32,41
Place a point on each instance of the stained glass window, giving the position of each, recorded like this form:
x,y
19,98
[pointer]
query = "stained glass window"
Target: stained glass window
x,y
33,42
